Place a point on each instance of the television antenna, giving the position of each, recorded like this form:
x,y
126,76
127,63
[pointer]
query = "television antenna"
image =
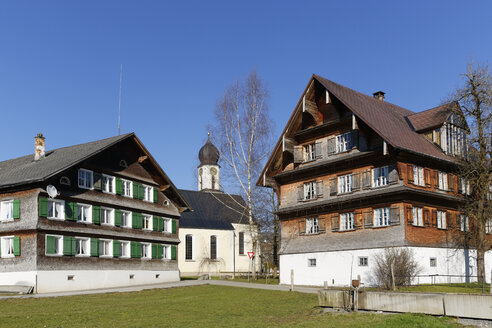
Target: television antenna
x,y
119,99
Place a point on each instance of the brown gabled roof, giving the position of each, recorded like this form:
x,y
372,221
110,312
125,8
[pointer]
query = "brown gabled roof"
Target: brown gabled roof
x,y
430,118
389,121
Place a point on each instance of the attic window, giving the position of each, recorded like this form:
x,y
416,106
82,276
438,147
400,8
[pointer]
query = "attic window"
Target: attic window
x,y
123,163
65,181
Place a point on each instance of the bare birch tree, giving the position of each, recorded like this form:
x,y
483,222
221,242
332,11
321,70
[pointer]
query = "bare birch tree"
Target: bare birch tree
x,y
475,108
242,132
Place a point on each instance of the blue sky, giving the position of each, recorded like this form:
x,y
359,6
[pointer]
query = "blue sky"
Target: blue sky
x,y
60,63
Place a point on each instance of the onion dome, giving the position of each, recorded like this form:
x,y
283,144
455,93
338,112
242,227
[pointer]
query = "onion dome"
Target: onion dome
x,y
209,154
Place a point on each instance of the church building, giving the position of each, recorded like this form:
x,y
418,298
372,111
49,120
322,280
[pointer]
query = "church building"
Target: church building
x,y
215,236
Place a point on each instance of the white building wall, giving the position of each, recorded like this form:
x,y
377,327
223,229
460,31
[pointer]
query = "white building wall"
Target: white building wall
x,y
229,259
338,268
70,280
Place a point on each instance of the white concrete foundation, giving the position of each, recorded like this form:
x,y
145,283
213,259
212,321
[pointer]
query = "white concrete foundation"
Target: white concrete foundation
x,y
58,281
338,268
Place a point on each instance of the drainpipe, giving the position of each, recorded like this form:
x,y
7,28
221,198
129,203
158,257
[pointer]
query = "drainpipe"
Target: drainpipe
x,y
233,254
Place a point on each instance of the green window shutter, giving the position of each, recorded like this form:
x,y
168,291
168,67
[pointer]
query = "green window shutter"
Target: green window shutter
x,y
139,249
43,207
135,190
117,218
97,181
50,245
94,246
132,249
71,211
140,192
72,239
67,245
119,186
17,246
96,214
154,251
140,221
159,251
155,223
173,252
134,220
16,209
173,226
116,248
160,224
156,196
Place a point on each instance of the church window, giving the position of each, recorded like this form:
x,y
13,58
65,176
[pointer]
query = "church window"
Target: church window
x,y
189,247
241,243
213,247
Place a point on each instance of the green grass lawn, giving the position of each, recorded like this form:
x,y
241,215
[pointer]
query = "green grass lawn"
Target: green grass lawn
x,y
257,281
199,306
470,288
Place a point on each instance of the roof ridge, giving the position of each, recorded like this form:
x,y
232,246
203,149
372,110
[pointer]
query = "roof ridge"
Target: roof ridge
x,y
65,147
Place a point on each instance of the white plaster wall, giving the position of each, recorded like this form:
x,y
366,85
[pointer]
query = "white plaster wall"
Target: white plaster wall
x,y
26,278
207,177
242,261
340,267
55,281
201,251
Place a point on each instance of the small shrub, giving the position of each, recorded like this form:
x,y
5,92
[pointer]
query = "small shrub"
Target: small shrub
x,y
398,263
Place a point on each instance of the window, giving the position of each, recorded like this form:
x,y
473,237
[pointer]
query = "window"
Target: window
x,y
310,190
345,183
82,247
105,248
166,252
189,247
344,142
380,176
85,179
127,188
107,216
213,247
54,245
312,226
311,262
417,217
124,249
167,225
465,186
7,210
443,180
84,213
418,175
108,184
146,252
241,243
433,262
488,226
464,224
346,221
309,152
7,246
147,222
363,261
126,219
441,220
148,193
56,209
381,217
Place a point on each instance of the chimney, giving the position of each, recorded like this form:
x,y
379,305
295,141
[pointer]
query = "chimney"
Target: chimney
x,y
379,95
38,147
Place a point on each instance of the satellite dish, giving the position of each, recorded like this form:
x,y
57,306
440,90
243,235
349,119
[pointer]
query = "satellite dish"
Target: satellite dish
x,y
51,190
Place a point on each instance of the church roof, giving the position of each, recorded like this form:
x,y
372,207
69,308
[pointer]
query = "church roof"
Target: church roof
x,y
213,210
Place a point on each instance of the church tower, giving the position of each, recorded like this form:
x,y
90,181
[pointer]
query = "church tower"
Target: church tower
x,y
208,170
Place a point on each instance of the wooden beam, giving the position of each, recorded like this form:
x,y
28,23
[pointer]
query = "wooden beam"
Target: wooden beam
x,y
165,187
269,181
310,107
142,158
288,144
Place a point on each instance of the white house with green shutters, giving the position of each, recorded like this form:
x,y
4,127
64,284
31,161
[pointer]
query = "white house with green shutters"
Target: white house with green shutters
x,y
96,215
